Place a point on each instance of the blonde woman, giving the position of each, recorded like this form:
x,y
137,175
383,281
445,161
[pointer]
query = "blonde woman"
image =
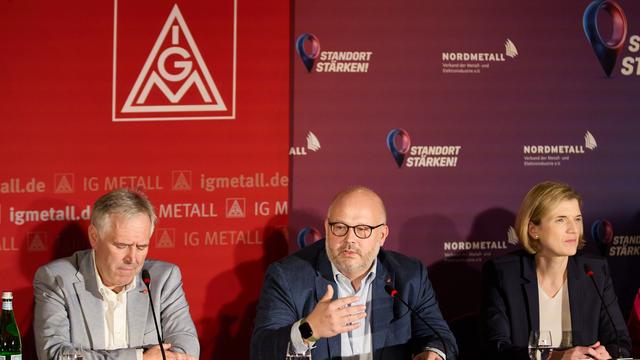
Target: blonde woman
x,y
545,286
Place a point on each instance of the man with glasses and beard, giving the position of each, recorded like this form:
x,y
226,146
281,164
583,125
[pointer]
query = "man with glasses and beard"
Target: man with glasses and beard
x,y
330,297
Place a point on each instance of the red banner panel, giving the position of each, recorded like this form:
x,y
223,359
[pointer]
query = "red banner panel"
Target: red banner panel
x,y
187,101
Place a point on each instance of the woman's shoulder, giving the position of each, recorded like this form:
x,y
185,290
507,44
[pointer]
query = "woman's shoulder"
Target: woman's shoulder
x,y
592,260
512,258
510,266
586,256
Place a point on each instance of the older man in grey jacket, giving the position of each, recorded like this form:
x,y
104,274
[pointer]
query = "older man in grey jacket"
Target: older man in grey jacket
x,y
95,300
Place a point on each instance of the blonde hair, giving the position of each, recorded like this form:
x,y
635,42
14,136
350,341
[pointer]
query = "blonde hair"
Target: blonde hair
x,y
538,202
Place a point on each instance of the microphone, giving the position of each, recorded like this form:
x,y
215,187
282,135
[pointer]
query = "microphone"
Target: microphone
x,y
393,293
590,274
146,279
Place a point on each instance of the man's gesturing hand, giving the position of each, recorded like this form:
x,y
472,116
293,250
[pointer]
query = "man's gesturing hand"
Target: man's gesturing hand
x,y
330,318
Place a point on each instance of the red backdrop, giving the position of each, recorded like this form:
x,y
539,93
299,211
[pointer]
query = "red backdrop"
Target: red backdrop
x,y
218,175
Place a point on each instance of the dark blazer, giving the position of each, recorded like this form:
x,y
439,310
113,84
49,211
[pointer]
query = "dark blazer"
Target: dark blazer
x,y
510,307
293,286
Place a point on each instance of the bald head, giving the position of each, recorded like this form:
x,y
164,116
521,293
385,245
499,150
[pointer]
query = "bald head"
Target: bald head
x,y
359,197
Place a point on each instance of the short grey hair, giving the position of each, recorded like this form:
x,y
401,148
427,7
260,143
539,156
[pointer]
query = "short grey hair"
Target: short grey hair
x,y
124,202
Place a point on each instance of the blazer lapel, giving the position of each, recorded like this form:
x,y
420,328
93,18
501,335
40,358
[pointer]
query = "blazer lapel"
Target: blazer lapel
x,y
90,300
324,276
530,285
381,306
137,312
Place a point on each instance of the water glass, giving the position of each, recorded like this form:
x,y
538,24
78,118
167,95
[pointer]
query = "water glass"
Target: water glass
x,y
292,354
71,354
539,344
566,342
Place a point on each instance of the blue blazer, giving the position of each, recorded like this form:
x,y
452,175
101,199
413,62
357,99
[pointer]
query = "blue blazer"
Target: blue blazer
x,y
293,286
510,307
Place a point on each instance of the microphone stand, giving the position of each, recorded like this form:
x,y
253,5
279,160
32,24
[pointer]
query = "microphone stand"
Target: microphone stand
x,y
590,274
393,292
146,278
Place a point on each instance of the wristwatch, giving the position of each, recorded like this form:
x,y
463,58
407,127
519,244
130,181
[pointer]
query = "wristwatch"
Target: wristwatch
x,y
306,332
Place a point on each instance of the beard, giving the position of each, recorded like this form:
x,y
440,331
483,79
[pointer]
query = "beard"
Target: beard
x,y
355,266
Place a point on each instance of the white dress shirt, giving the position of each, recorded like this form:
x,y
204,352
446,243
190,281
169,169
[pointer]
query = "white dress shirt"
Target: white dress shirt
x,y
114,305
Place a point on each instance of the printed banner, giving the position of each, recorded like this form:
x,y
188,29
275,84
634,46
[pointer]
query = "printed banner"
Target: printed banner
x,y
185,100
453,111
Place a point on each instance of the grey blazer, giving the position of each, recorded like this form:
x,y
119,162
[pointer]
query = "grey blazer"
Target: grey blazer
x,y
68,310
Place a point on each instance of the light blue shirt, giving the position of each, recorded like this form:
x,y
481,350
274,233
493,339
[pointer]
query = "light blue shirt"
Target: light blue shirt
x,y
356,344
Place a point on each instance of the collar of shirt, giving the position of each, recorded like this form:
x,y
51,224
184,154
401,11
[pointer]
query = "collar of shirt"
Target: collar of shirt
x,y
344,282
108,294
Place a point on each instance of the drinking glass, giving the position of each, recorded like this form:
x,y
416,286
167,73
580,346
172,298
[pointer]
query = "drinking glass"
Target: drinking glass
x,y
567,341
71,354
539,344
292,354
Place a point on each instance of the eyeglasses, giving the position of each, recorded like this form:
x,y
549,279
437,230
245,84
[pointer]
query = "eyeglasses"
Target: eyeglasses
x,y
362,231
